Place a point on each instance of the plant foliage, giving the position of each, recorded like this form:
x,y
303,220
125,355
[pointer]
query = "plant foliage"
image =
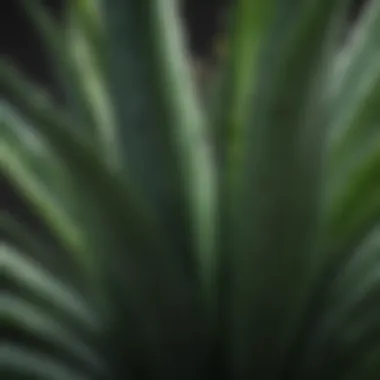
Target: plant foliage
x,y
234,240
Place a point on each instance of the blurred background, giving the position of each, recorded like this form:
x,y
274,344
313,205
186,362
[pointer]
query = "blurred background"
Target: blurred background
x,y
205,23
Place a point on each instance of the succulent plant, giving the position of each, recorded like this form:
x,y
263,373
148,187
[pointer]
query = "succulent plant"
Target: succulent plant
x,y
237,238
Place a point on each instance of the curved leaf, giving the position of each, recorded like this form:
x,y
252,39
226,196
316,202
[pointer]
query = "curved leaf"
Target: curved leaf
x,y
43,250
27,317
28,274
346,295
142,256
17,361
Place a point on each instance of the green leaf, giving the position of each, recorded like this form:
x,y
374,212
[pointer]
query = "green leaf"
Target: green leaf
x,y
353,195
60,338
141,256
84,39
162,127
53,39
88,17
31,164
43,249
74,50
28,274
15,360
364,261
163,254
279,186
353,182
190,134
343,309
248,32
355,84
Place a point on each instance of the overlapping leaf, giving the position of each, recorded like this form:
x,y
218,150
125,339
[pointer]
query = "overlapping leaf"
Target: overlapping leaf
x,y
148,220
353,188
275,223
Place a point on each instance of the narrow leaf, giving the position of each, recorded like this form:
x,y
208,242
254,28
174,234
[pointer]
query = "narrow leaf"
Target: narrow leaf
x,y
25,315
279,185
16,361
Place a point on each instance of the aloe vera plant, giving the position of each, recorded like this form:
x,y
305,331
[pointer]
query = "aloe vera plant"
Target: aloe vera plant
x,y
235,240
